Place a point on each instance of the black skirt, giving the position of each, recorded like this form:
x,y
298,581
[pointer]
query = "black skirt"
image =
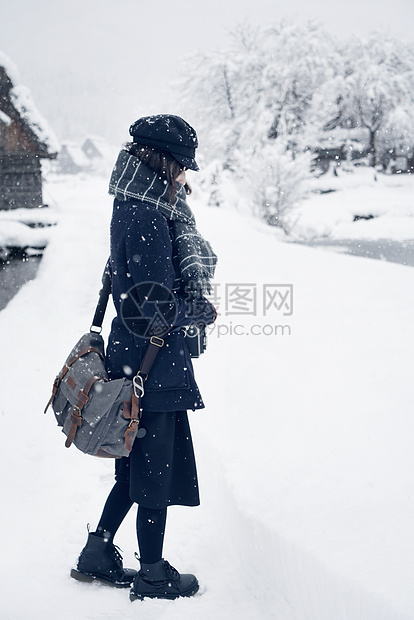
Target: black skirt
x,y
161,468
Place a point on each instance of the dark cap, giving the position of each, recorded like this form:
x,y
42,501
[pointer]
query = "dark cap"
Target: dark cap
x,y
166,132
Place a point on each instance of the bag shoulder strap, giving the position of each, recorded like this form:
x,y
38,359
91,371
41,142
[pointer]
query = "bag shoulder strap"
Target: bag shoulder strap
x,y
154,344
103,299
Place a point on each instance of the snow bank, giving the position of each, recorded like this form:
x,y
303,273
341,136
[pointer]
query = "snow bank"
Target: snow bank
x,y
26,228
389,198
40,216
304,450
18,235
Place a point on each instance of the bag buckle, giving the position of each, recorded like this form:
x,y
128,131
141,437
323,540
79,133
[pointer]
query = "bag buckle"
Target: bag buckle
x,y
159,342
138,384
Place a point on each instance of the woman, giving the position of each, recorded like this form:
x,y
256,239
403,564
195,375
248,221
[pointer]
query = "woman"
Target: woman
x,y
161,267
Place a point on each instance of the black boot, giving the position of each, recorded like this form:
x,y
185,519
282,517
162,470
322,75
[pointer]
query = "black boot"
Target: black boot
x,y
100,560
161,580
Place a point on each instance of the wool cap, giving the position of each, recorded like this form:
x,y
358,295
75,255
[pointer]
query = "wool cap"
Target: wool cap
x,y
170,133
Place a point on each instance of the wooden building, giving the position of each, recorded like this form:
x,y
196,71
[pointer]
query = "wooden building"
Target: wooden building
x,y
24,141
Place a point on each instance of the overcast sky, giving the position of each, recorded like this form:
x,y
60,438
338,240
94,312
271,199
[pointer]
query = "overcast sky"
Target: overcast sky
x,y
95,65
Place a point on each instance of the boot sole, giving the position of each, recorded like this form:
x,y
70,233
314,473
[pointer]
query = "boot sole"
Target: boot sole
x,y
84,577
170,597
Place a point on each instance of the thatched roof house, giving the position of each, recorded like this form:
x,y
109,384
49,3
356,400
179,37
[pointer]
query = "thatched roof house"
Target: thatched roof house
x,y
101,155
72,159
25,138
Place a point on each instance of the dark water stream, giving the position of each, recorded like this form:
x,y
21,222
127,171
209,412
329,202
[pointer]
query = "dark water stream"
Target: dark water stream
x,y
383,249
14,272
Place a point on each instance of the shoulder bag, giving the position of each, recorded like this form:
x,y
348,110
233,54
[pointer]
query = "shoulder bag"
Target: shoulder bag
x,y
99,416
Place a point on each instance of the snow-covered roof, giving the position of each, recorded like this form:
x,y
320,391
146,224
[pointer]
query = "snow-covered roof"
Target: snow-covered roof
x,y
6,120
338,137
97,140
10,68
23,103
72,151
105,150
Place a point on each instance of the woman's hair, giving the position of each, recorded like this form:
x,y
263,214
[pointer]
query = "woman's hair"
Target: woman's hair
x,y
161,162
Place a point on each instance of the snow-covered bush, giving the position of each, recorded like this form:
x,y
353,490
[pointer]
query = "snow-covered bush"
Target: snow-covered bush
x,y
278,183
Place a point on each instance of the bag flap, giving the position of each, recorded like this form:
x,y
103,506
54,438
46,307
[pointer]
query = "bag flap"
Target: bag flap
x,y
90,339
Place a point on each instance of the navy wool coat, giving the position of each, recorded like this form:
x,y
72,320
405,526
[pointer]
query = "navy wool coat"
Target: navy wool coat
x,y
142,251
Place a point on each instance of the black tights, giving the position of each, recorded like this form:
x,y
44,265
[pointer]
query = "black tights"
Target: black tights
x,y
150,522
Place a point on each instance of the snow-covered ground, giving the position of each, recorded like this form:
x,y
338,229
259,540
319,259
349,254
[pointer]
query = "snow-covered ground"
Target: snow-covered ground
x,y
304,449
363,192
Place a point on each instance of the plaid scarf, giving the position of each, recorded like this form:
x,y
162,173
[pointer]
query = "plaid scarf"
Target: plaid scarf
x,y
132,180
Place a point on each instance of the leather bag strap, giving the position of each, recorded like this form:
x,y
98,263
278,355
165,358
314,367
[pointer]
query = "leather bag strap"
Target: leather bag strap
x,y
76,416
154,346
103,299
65,369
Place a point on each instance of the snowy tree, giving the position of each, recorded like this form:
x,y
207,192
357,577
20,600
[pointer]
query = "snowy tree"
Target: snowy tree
x,y
258,92
261,87
276,92
299,60
207,89
377,80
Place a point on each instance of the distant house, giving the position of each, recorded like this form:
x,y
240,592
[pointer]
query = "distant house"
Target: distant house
x,y
95,147
25,139
339,145
93,156
400,159
72,159
100,154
